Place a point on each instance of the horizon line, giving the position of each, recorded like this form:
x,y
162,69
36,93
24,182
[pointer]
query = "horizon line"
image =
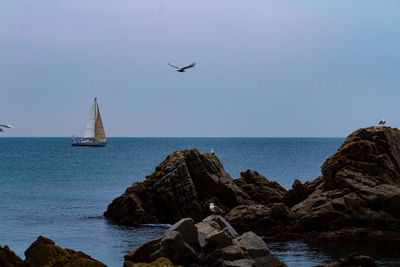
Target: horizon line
x,y
180,137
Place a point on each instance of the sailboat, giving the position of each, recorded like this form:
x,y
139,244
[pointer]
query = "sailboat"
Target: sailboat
x,y
94,133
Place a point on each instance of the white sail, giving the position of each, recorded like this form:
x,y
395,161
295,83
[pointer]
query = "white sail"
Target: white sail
x,y
91,124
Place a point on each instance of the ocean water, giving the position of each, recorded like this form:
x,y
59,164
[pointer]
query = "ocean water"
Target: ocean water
x,y
49,188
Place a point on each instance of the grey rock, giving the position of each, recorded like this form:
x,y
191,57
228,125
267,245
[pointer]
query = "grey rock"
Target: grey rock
x,y
188,231
232,253
217,245
217,241
252,244
176,249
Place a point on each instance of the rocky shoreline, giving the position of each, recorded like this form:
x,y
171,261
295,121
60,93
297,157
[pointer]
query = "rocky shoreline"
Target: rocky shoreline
x,y
357,197
212,242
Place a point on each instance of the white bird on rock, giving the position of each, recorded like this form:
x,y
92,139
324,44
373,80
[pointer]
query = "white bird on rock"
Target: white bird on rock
x,y
182,69
5,126
382,122
215,209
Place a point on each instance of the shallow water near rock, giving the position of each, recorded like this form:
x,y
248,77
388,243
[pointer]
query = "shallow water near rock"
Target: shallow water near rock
x,y
52,189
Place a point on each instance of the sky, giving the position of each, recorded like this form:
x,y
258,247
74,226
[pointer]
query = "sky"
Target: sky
x,y
264,68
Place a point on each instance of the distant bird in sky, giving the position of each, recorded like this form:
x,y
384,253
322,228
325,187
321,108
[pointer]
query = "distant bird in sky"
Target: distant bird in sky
x,y
182,69
215,209
5,126
382,122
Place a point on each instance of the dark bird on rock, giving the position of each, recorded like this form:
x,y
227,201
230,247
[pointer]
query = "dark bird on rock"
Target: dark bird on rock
x,y
5,126
382,122
215,209
182,69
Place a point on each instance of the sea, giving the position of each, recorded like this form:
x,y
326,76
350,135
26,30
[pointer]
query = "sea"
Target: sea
x,y
50,188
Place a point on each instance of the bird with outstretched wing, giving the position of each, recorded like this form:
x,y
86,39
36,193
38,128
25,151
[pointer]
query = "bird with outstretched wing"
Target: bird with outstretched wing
x,y
182,69
5,126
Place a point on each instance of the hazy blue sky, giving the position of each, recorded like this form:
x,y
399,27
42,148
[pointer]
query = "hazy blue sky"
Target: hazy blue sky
x,y
264,68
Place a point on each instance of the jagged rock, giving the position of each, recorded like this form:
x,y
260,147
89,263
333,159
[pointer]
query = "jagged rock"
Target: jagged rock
x,y
175,248
180,244
352,260
361,186
9,259
359,189
219,245
259,188
43,252
188,231
181,186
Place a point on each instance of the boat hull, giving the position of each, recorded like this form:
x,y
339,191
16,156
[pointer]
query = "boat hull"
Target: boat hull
x,y
90,143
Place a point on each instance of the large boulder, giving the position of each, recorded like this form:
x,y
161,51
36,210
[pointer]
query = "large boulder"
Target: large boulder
x,y
43,252
180,244
211,242
182,186
360,188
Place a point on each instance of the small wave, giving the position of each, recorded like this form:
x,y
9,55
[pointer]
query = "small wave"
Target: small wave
x,y
158,225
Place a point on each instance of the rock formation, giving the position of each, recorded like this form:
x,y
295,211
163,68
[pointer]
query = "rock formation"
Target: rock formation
x,y
212,242
361,185
181,186
358,191
44,253
357,196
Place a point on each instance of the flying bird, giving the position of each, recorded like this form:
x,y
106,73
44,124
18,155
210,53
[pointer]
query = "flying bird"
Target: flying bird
x,y
382,122
5,126
215,209
182,69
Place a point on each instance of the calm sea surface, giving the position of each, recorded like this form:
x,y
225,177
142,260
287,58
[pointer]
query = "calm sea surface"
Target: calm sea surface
x,y
49,188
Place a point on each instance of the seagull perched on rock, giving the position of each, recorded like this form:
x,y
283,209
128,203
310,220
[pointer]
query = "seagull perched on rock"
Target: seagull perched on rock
x,y
182,69
5,126
215,209
382,122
